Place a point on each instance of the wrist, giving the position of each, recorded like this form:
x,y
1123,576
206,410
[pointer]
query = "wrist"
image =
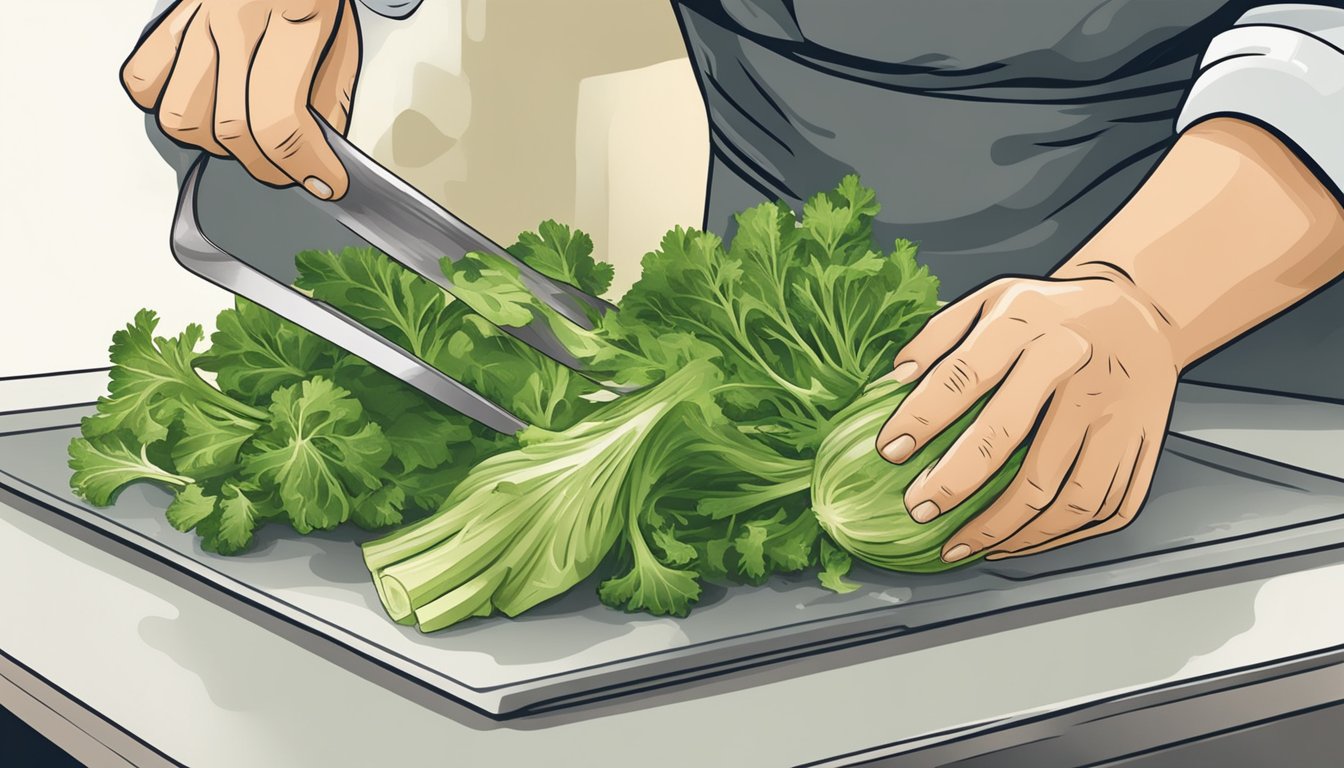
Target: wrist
x,y
1149,313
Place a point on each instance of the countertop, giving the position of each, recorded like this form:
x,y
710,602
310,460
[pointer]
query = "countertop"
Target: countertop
x,y
121,665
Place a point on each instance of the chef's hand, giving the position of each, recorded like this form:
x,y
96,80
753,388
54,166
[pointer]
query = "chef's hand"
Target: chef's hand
x,y
1231,229
236,78
1089,357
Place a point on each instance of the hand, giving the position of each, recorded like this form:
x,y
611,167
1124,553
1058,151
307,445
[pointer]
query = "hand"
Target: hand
x,y
1091,355
236,77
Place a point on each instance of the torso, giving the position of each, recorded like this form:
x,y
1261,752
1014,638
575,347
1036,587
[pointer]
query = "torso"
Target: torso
x,y
999,135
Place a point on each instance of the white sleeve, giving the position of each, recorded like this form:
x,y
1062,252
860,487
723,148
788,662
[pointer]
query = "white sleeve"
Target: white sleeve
x,y
393,9
1281,66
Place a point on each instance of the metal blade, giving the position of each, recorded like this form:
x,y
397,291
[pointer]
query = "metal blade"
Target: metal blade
x,y
416,232
195,251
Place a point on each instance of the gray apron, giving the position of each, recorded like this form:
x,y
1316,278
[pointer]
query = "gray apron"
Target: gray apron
x,y
999,135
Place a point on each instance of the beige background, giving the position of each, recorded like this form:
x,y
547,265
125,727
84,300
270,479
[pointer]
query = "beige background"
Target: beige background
x,y
507,111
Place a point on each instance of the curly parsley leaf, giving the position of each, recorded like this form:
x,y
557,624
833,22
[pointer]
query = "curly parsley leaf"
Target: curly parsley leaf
x,y
254,352
103,465
319,451
566,255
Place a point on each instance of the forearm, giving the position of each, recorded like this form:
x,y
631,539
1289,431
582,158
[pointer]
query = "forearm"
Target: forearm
x,y
1230,230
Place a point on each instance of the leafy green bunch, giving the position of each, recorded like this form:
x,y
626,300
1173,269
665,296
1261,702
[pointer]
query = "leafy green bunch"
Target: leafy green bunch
x,y
294,428
738,360
747,353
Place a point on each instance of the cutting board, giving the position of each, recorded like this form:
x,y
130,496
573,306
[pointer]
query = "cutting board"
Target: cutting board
x,y
1211,511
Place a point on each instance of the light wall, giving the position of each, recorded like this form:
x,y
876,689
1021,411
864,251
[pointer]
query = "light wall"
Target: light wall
x,y
506,111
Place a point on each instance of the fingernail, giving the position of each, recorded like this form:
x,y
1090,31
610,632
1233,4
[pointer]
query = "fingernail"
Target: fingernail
x,y
904,372
925,511
899,450
317,187
956,553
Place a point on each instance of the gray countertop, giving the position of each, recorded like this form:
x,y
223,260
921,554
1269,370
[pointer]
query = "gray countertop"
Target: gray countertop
x,y
125,664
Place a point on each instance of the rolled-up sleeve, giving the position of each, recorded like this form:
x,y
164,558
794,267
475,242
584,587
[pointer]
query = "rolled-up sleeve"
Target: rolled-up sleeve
x,y
1281,66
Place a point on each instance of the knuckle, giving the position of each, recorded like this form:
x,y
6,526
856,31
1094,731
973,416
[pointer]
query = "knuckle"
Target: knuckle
x,y
984,537
1082,510
1079,508
131,79
175,123
918,417
1022,299
935,487
303,11
137,83
946,496
281,139
1020,542
1035,493
229,130
958,374
991,440
1000,286
1076,348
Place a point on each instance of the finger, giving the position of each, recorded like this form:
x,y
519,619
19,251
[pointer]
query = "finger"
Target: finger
x,y
235,38
992,437
1048,462
944,330
1092,493
186,111
1134,497
278,95
955,382
146,70
334,91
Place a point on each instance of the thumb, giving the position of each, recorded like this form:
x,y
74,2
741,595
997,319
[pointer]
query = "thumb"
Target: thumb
x,y
281,82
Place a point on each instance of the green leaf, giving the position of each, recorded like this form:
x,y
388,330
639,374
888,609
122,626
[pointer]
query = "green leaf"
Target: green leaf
x,y
151,377
653,587
424,437
388,400
319,451
382,295
530,385
428,489
835,565
106,464
792,545
492,287
802,313
254,352
207,438
559,253
750,546
380,508
674,552
189,507
237,520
